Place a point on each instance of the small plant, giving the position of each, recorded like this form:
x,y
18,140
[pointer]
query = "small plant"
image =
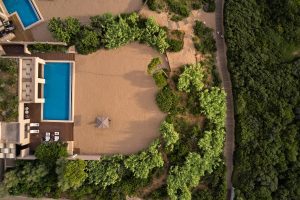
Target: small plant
x,y
160,78
153,65
43,48
167,100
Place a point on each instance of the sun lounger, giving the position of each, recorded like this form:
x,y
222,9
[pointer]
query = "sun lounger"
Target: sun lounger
x,y
47,137
33,124
56,136
1,155
34,131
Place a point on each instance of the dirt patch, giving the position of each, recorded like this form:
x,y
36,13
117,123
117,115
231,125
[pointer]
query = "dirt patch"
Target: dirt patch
x,y
114,83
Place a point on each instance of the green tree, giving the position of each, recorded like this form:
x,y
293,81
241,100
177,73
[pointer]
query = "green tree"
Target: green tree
x,y
64,30
213,104
105,172
153,65
88,41
71,173
142,163
182,179
191,78
169,135
167,100
49,153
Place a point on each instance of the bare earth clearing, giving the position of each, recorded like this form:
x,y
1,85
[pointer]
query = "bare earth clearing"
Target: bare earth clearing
x,y
81,9
115,83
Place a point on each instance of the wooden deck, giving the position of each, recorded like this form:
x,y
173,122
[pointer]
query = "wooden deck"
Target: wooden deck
x,y
65,129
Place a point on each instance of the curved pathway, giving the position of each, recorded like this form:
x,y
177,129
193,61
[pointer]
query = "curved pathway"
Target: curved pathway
x,y
226,82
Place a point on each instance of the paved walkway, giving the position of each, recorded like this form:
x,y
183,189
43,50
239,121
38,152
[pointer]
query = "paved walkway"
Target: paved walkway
x,y
225,77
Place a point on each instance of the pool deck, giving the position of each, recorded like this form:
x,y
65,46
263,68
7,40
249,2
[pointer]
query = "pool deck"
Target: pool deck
x,y
65,129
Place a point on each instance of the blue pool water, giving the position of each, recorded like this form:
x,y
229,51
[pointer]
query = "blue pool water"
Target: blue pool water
x,y
57,91
25,10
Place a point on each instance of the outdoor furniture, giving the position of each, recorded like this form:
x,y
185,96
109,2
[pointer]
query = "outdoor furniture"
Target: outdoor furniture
x,y
34,124
1,155
102,122
56,136
47,137
34,131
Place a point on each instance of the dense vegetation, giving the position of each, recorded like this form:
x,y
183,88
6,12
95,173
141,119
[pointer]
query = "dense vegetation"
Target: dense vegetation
x,y
180,8
263,39
204,41
45,48
109,31
8,89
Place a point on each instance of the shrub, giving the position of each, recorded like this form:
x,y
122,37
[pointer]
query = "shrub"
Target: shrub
x,y
191,79
169,135
204,42
160,78
210,6
40,47
152,67
142,163
179,7
105,172
154,5
71,174
64,30
154,35
50,152
87,41
167,100
175,45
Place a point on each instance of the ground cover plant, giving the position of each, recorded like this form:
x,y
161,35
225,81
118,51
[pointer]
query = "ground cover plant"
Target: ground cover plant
x,y
108,31
266,81
180,9
45,48
8,89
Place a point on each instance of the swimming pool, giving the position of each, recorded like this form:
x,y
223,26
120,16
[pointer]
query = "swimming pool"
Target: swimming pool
x,y
57,91
25,9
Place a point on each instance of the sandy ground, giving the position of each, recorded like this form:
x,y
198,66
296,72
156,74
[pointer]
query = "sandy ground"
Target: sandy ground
x,y
188,54
115,84
81,9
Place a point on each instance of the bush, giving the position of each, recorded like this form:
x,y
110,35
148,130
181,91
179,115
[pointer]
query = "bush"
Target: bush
x,y
64,30
87,41
154,5
50,152
175,45
71,174
167,100
160,78
204,42
210,6
43,48
179,7
152,67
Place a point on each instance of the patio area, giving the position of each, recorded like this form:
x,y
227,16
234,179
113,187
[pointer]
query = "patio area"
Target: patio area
x,y
65,129
115,84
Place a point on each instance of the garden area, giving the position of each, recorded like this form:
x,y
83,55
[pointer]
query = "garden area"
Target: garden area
x,y
262,38
180,9
184,162
8,89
